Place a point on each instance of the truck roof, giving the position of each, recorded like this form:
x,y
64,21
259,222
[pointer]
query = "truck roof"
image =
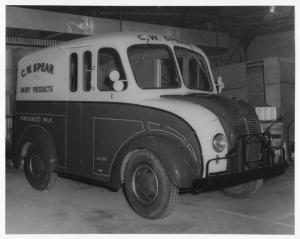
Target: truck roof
x,y
119,38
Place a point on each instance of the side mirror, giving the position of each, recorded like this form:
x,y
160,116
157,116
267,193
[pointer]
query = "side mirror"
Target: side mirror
x,y
220,84
118,85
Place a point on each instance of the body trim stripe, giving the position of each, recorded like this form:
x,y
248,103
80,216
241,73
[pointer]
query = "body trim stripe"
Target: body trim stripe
x,y
178,135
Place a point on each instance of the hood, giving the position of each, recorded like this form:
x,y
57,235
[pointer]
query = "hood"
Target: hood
x,y
236,116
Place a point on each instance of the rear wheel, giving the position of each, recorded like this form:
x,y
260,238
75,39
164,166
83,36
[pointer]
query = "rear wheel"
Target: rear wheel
x,y
148,188
38,168
243,190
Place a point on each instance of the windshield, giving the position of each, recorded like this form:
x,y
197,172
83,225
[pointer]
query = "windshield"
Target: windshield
x,y
193,69
153,66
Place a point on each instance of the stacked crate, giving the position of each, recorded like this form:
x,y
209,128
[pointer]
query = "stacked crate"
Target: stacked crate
x,y
280,83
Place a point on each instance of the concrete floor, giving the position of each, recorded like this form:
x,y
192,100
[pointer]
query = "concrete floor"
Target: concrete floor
x,y
74,207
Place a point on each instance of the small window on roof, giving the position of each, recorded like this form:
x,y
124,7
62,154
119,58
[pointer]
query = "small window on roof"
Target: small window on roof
x,y
108,60
73,72
87,70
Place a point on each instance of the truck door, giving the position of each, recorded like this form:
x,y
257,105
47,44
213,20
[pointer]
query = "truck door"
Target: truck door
x,y
79,61
97,122
88,105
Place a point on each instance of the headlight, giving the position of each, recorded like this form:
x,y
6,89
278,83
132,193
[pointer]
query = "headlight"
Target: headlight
x,y
219,142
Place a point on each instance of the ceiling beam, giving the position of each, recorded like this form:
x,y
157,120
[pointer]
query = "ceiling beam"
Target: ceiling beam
x,y
38,20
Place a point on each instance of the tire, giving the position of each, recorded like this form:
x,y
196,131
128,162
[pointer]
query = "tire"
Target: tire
x,y
147,186
243,190
38,168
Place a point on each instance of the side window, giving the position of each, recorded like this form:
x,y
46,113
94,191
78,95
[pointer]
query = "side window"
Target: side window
x,y
73,72
203,76
87,70
193,79
198,75
108,60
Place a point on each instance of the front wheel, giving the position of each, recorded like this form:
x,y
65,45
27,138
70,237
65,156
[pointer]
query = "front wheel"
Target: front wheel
x,y
243,190
147,186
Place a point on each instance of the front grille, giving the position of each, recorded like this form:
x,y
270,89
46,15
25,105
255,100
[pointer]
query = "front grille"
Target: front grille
x,y
239,126
253,125
244,126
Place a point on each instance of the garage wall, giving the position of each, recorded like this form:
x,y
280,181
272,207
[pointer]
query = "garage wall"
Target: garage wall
x,y
235,54
280,44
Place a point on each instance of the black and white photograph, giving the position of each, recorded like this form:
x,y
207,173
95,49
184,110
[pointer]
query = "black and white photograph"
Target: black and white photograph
x,y
149,119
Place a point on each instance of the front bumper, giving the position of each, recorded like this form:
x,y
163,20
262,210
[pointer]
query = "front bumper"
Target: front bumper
x,y
239,169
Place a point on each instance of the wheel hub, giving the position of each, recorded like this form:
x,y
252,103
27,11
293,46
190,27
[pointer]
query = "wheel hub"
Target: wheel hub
x,y
145,184
37,165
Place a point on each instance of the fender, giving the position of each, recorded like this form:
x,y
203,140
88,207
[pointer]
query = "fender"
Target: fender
x,y
39,135
175,159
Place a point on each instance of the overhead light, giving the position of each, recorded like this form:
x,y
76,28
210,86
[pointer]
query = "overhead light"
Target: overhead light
x,y
272,9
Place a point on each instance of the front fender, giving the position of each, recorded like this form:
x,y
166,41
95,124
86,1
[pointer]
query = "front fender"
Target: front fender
x,y
175,159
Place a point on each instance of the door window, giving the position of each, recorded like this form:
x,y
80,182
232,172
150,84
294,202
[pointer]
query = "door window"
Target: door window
x,y
108,60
